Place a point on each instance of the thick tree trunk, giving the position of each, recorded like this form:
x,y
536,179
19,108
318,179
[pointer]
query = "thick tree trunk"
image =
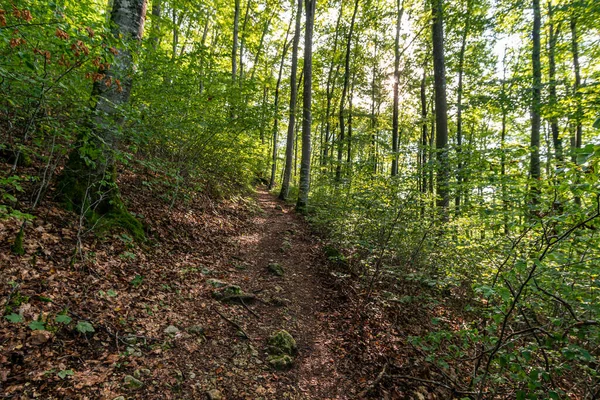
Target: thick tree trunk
x,y
441,108
93,189
304,186
342,137
396,105
534,167
289,150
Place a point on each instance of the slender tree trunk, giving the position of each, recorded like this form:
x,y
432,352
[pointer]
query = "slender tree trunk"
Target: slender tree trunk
x,y
234,50
373,147
276,106
342,136
461,66
304,186
331,79
534,169
261,44
289,150
553,36
441,108
155,31
395,111
424,140
243,40
577,83
350,100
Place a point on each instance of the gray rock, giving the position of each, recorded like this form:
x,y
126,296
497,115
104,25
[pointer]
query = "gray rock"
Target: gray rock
x,y
216,283
119,398
132,383
196,330
214,395
171,330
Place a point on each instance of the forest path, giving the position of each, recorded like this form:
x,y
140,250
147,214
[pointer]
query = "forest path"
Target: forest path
x,y
239,367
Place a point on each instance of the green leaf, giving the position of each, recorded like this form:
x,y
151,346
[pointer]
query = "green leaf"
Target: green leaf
x,y
85,327
14,318
111,293
65,372
63,319
597,123
37,326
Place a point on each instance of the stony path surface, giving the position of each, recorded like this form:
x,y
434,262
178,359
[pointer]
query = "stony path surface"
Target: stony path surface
x,y
237,367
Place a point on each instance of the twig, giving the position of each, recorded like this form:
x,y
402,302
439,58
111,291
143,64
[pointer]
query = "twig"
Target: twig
x,y
375,382
248,308
235,324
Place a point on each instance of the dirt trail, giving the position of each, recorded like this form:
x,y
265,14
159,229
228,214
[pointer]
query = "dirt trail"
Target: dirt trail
x,y
238,367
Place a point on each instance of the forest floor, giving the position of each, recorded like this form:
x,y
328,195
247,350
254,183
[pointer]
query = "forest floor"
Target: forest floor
x,y
160,331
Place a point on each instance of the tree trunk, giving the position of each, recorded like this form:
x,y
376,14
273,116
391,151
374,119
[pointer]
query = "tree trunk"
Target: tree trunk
x,y
441,108
289,150
395,111
304,186
276,106
93,189
461,65
577,83
331,79
553,36
243,41
424,140
236,23
534,168
342,136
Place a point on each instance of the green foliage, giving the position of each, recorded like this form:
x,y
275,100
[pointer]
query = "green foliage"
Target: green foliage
x,y
137,281
84,327
63,319
64,373
37,326
14,318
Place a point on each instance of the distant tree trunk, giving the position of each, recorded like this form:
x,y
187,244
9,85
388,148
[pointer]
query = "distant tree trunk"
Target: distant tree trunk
x,y
424,141
289,150
236,23
87,188
331,79
261,44
350,104
155,31
461,67
577,83
553,36
243,41
276,106
395,111
576,141
374,106
441,108
342,136
304,185
534,168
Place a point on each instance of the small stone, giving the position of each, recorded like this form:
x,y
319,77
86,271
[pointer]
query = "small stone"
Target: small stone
x,y
119,398
214,394
196,330
137,374
132,383
171,330
281,342
279,301
276,269
278,289
192,375
216,283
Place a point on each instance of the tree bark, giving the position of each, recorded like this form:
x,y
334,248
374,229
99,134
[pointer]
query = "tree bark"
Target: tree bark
x,y
553,36
395,111
289,150
304,186
534,168
461,67
276,106
342,136
236,22
441,108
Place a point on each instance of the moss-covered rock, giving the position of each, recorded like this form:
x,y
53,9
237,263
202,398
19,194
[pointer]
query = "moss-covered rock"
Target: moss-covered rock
x,y
281,362
17,246
276,269
281,342
132,383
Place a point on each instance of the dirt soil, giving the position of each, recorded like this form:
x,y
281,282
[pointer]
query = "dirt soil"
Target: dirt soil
x,y
154,313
